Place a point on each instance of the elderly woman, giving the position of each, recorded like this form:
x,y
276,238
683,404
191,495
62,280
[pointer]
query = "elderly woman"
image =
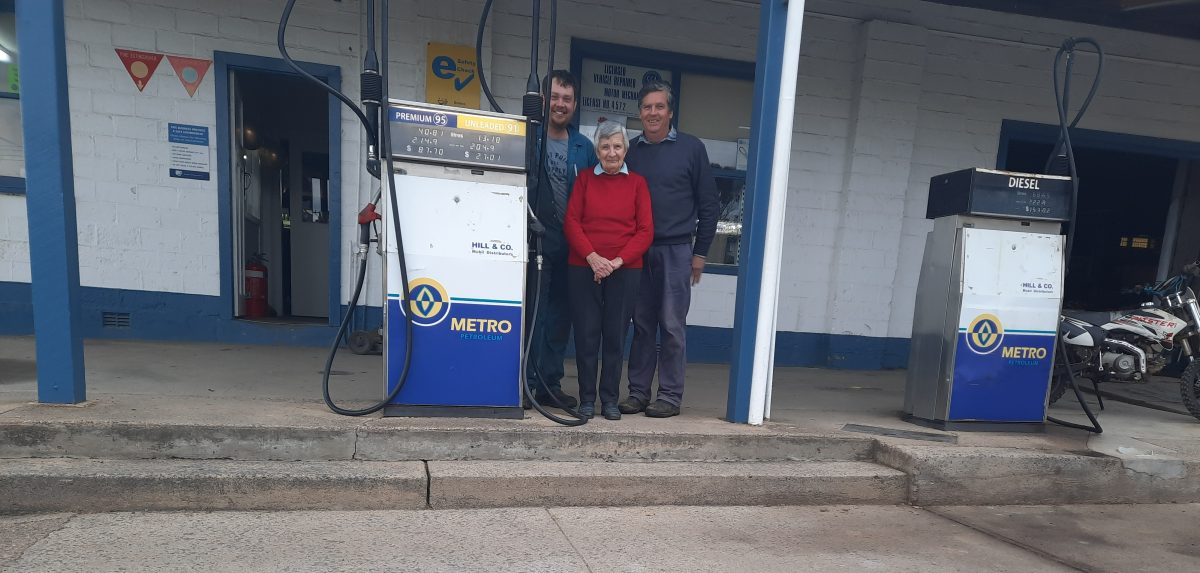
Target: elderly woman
x,y
608,226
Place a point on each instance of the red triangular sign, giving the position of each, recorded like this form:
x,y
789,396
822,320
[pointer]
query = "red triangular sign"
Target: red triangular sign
x,y
140,65
190,71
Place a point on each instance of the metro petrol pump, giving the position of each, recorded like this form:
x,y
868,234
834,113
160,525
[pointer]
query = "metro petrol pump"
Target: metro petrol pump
x,y
988,301
461,200
454,182
989,297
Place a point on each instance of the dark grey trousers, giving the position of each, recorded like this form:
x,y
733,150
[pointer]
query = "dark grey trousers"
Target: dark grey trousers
x,y
600,315
660,316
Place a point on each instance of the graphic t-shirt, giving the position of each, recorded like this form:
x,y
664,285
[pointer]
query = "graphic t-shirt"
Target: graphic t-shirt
x,y
556,170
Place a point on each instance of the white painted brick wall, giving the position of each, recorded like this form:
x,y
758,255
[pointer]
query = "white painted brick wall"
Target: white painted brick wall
x,y
934,93
140,229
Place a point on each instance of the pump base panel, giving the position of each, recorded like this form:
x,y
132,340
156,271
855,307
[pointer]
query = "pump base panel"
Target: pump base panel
x,y
506,413
1019,427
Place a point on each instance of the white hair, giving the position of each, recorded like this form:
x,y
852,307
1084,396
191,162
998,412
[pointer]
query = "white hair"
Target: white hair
x,y
608,129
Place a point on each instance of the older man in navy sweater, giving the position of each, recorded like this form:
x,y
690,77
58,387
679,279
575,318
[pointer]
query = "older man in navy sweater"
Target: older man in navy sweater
x,y
684,198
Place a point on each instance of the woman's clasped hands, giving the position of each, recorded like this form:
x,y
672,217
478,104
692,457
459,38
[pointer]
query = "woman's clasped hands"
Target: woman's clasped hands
x,y
602,267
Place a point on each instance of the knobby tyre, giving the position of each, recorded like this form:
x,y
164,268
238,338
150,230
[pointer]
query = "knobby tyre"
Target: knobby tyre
x,y
1189,388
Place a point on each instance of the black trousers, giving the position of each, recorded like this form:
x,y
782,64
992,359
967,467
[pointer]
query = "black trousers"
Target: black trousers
x,y
600,315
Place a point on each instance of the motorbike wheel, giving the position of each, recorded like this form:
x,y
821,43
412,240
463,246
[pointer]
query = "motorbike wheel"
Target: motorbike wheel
x,y
1189,388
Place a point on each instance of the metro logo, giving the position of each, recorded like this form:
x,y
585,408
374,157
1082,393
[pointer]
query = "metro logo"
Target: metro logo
x,y
480,325
1023,352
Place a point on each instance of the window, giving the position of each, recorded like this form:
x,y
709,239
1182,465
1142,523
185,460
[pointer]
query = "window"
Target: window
x,y
714,99
12,148
10,83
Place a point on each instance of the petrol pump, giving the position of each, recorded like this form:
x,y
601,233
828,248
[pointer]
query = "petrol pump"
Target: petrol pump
x,y
455,229
459,177
989,297
988,301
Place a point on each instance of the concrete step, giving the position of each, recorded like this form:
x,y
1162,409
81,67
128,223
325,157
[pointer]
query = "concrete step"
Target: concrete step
x,y
85,486
547,484
132,440
942,475
92,485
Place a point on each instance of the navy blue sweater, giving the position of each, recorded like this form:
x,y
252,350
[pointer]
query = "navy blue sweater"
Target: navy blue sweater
x,y
682,190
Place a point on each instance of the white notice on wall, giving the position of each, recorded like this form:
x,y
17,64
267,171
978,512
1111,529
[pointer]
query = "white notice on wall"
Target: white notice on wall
x,y
188,151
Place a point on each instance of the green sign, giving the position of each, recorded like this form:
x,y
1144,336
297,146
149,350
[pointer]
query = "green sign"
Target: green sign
x,y
12,80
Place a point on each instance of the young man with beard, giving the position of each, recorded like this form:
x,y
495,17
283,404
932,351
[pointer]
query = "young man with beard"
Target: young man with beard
x,y
568,153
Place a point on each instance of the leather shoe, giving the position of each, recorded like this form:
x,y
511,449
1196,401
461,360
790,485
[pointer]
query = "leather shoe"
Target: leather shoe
x,y
610,412
662,409
632,405
557,399
587,411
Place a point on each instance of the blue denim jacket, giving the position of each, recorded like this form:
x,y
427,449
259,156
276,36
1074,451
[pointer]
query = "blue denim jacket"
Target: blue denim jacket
x,y
581,156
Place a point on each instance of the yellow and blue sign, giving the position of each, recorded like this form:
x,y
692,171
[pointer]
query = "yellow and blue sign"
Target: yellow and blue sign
x,y
1000,375
450,75
985,334
459,347
428,302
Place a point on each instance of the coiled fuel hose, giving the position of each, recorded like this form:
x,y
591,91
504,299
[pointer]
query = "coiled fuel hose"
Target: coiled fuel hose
x,y
1062,162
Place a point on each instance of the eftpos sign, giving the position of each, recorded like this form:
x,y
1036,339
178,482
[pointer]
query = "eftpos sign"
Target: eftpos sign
x,y
451,76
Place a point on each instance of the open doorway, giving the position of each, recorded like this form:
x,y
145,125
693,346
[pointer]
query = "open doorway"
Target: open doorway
x,y
1121,218
280,197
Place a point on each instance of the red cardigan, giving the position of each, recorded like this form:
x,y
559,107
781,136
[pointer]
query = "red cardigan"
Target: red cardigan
x,y
609,215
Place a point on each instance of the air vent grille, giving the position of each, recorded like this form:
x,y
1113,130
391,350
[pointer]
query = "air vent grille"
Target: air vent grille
x,y
116,320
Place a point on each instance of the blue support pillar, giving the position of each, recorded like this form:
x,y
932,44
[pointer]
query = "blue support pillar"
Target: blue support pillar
x,y
50,201
769,66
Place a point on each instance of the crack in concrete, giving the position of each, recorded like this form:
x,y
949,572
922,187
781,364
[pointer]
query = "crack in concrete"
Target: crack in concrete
x,y
4,567
568,538
1156,468
1083,567
354,454
428,485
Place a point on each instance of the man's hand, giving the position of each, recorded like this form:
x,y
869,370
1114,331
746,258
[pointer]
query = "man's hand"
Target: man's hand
x,y
697,269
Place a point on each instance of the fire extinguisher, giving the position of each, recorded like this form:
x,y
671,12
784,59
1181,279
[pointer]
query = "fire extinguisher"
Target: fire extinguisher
x,y
256,288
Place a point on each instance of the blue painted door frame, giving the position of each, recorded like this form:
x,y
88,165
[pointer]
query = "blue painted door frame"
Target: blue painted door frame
x,y
767,79
224,62
1013,130
50,202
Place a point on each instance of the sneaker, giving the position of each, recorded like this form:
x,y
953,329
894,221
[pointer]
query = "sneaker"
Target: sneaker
x,y
557,399
587,411
662,409
632,405
610,412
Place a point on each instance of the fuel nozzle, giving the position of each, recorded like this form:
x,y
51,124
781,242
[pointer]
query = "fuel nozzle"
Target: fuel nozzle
x,y
372,96
371,90
367,216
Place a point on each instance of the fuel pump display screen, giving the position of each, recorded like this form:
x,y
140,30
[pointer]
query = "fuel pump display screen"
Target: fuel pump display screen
x,y
449,135
1003,194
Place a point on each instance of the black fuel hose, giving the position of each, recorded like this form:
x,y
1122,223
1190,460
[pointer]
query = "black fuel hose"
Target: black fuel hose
x,y
1063,149
483,84
279,40
362,267
1095,427
1055,164
539,230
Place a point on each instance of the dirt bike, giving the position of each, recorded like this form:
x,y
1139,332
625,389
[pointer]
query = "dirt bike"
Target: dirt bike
x,y
1129,346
